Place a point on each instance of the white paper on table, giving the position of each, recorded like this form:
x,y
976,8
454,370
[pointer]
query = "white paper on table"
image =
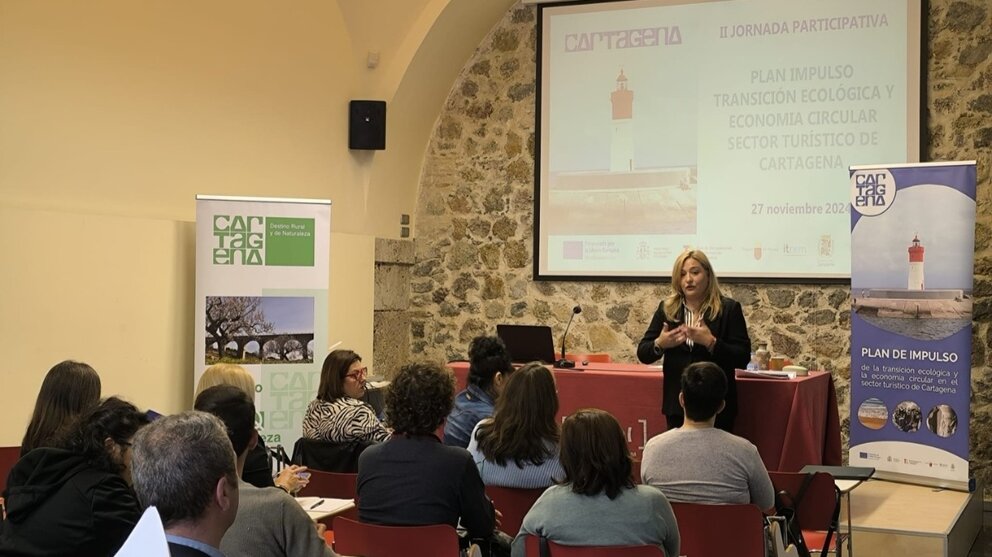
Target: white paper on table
x,y
320,507
766,374
147,539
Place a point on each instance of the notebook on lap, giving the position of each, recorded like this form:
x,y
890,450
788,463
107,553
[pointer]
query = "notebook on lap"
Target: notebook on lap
x,y
528,343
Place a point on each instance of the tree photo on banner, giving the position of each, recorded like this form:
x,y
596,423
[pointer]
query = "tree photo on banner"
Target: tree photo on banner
x,y
261,300
912,237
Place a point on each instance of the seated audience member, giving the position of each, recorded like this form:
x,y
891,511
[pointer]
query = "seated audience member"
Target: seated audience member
x,y
257,468
412,479
269,522
69,389
338,415
489,366
598,504
698,463
74,498
518,446
184,465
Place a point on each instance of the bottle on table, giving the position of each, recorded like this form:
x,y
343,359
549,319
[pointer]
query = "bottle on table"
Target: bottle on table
x,y
763,356
753,364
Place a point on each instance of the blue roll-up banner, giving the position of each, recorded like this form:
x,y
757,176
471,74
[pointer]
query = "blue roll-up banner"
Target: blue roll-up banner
x,y
912,250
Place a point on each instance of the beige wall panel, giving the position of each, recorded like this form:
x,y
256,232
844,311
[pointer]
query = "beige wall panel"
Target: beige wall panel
x,y
115,292
351,291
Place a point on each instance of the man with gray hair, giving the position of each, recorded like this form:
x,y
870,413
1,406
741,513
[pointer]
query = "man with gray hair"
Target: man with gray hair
x,y
184,465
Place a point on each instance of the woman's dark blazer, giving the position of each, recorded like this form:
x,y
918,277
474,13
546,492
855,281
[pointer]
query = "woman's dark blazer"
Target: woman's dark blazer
x,y
732,351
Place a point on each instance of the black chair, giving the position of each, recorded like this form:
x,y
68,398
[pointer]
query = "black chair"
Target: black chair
x,y
327,456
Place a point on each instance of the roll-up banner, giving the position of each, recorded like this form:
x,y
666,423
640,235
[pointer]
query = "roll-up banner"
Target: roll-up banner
x,y
913,245
261,300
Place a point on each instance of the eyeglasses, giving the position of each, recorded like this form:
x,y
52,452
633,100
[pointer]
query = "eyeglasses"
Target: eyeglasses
x,y
358,373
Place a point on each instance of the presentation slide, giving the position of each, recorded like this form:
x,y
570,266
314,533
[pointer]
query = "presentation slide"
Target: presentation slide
x,y
725,126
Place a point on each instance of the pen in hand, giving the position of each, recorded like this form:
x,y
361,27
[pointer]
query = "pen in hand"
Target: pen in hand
x,y
315,505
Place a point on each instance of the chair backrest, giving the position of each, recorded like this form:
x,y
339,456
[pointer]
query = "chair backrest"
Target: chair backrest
x,y
819,502
374,540
328,456
331,484
532,549
513,504
8,458
718,530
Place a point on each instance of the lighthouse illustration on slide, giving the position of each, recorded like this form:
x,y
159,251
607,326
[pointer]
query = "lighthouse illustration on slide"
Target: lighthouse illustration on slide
x,y
916,265
622,147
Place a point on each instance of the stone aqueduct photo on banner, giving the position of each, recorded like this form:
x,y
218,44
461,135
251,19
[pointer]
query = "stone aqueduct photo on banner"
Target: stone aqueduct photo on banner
x,y
259,330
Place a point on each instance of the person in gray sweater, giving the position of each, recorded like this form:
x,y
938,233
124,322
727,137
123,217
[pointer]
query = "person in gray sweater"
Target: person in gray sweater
x,y
598,504
698,463
269,523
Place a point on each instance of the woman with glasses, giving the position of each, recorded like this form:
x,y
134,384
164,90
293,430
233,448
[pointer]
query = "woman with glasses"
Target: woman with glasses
x,y
696,323
338,415
74,497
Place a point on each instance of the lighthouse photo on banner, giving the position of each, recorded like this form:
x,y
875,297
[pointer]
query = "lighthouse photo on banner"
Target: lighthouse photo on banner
x,y
912,237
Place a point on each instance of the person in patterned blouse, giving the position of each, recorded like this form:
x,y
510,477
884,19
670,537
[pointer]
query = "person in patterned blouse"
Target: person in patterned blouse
x,y
338,415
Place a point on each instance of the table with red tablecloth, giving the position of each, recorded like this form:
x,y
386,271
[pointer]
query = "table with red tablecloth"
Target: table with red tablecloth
x,y
792,422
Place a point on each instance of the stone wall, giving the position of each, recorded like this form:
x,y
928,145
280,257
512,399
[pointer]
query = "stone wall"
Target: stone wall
x,y
474,219
391,305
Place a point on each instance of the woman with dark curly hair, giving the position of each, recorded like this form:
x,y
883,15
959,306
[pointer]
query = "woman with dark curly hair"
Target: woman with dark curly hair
x,y
412,479
75,498
518,446
598,504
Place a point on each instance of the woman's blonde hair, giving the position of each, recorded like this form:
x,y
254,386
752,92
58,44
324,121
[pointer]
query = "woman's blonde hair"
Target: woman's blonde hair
x,y
226,374
711,299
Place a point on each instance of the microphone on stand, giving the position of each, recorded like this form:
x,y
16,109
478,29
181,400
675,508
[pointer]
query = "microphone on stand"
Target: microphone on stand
x,y
563,362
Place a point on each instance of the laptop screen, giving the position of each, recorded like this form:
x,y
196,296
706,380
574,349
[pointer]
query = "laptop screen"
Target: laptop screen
x,y
528,343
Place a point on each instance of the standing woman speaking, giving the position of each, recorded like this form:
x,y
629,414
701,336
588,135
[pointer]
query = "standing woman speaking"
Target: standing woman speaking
x,y
696,323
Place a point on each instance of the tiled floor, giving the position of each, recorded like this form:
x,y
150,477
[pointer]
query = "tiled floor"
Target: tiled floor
x,y
983,545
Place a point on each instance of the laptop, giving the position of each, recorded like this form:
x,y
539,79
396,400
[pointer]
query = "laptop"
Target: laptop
x,y
528,343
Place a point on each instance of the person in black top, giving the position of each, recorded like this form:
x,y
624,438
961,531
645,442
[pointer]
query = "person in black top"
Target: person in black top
x,y
73,498
258,468
696,323
413,479
69,389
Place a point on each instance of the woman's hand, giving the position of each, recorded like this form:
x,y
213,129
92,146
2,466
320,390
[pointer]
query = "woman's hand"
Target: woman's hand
x,y
670,338
700,334
292,478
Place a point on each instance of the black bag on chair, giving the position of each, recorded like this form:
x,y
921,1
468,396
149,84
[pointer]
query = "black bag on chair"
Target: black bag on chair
x,y
786,506
327,456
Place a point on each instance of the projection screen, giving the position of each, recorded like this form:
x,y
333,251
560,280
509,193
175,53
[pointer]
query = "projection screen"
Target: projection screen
x,y
726,126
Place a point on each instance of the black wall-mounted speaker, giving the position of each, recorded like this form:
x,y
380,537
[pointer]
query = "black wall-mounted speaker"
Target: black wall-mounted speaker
x,y
367,125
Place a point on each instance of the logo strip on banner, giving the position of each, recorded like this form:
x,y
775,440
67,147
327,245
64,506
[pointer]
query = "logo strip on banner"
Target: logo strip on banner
x,y
912,245
262,268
